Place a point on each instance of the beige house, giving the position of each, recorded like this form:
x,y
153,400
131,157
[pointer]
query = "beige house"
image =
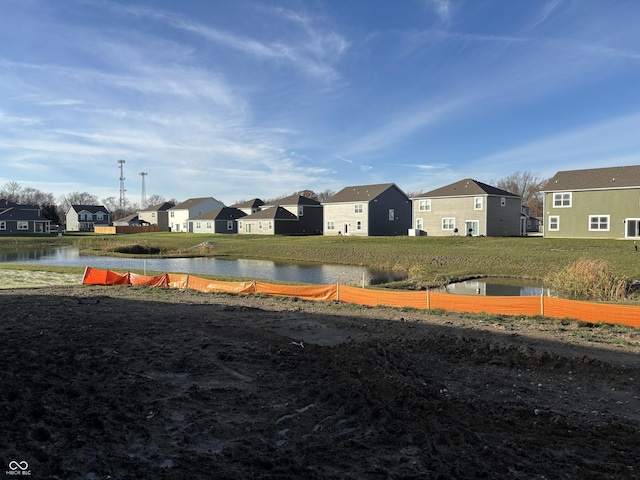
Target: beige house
x,y
468,207
157,215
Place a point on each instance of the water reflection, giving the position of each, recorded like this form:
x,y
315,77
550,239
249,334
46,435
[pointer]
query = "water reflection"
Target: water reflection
x,y
256,269
506,287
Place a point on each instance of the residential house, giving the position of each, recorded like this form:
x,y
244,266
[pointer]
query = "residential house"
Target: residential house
x,y
293,215
532,224
368,210
249,207
21,219
84,218
157,215
593,203
180,214
468,207
223,220
132,220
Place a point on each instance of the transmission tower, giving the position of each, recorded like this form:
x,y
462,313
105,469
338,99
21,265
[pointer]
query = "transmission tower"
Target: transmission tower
x,y
143,196
122,190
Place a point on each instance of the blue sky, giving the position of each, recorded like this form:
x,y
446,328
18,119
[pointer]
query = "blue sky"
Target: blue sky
x,y
242,99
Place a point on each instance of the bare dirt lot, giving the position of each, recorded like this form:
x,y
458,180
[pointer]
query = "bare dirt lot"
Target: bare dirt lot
x,y
143,383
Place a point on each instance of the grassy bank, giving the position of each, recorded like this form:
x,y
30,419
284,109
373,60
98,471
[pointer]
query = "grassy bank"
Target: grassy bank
x,y
431,259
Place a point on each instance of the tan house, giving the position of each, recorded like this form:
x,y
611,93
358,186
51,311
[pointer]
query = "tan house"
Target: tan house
x,y
157,215
468,207
593,203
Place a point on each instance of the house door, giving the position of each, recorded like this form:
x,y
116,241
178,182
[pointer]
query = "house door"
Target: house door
x,y
472,227
247,227
346,229
633,227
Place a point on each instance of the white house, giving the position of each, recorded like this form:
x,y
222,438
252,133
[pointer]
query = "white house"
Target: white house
x,y
194,207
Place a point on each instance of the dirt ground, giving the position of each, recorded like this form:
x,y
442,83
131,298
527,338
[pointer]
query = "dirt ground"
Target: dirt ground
x,y
150,383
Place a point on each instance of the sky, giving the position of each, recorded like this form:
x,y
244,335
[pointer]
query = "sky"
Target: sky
x,y
243,99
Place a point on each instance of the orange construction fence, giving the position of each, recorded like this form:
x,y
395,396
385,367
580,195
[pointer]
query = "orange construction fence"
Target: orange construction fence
x,y
425,300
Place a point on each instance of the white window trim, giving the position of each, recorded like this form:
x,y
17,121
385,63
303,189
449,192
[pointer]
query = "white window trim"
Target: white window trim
x,y
357,208
424,205
453,224
3,225
557,219
503,201
608,217
561,195
22,225
477,203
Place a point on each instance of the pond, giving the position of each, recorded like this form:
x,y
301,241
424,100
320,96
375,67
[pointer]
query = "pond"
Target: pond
x,y
248,268
507,287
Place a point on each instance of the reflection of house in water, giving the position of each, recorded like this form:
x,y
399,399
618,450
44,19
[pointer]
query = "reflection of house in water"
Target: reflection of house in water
x,y
504,287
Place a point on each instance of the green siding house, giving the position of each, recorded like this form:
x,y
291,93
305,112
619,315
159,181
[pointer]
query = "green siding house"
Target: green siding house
x,y
593,203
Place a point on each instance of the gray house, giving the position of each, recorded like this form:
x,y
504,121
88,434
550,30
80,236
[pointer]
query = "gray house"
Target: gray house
x,y
469,207
293,215
157,215
84,218
593,203
223,220
368,210
21,219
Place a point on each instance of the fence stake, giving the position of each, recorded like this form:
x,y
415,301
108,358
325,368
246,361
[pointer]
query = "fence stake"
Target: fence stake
x,y
542,303
428,300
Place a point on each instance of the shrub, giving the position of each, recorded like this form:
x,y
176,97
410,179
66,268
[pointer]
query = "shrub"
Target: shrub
x,y
589,280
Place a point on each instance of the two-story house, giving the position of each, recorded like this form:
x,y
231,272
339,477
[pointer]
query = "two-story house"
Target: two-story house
x,y
157,215
21,219
468,207
84,218
593,203
368,210
180,214
292,215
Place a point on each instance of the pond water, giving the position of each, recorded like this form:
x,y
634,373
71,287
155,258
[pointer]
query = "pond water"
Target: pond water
x,y
255,269
508,287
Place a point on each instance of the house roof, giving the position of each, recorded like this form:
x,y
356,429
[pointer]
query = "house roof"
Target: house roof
x,y
192,202
17,213
255,203
293,200
90,208
466,187
224,213
277,213
595,178
360,193
161,207
128,219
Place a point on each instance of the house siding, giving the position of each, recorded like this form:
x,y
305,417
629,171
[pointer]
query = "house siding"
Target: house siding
x,y
380,223
618,205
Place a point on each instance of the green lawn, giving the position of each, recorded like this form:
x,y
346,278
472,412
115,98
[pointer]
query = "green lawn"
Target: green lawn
x,y
429,259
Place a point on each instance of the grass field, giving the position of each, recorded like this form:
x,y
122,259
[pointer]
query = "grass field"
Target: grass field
x,y
428,259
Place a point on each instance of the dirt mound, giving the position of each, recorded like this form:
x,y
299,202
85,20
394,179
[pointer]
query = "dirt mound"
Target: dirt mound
x,y
136,383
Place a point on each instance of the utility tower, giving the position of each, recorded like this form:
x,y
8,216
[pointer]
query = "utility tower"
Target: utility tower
x,y
143,196
122,190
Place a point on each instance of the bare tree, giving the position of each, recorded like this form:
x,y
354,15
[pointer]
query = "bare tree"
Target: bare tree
x,y
325,195
526,184
154,199
75,198
11,192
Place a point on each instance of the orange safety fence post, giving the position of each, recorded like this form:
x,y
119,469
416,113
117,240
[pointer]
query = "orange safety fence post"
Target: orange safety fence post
x,y
320,292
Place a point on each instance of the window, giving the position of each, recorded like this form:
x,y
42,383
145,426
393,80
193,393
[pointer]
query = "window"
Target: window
x,y
23,225
229,224
357,208
208,225
503,201
392,215
359,225
419,223
300,211
171,214
259,225
331,225
562,200
477,203
153,214
83,216
100,216
3,225
270,225
554,223
424,205
239,225
599,223
448,223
